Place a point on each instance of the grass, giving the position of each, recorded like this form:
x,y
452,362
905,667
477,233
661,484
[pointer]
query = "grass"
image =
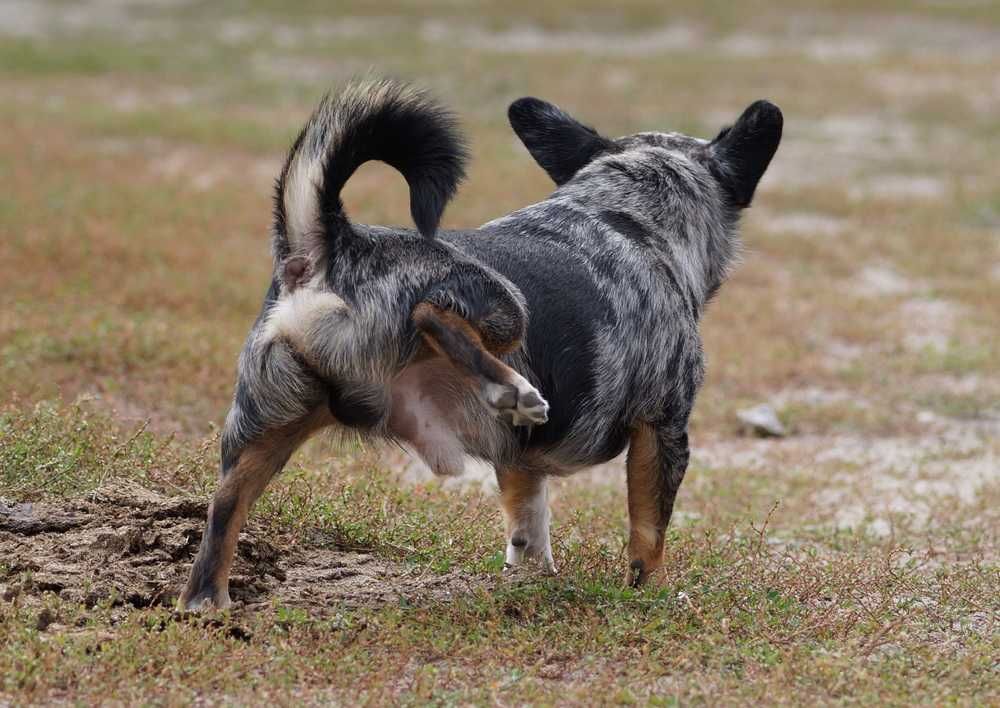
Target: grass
x,y
854,562
738,615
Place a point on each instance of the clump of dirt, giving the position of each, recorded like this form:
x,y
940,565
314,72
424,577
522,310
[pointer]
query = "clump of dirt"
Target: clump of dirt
x,y
128,545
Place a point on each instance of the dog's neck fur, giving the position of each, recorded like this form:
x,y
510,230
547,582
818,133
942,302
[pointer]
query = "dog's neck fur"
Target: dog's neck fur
x,y
678,201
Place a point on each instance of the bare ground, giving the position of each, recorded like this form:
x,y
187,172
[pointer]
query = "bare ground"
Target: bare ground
x,y
126,545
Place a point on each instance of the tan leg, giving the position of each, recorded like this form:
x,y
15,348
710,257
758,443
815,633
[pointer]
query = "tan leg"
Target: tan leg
x,y
241,485
657,461
524,498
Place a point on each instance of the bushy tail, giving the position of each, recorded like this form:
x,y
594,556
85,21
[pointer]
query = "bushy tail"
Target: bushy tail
x,y
369,120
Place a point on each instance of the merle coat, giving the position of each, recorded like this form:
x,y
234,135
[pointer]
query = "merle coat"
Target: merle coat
x,y
544,342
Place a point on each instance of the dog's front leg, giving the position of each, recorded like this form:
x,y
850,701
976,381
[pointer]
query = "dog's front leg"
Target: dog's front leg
x,y
525,501
657,460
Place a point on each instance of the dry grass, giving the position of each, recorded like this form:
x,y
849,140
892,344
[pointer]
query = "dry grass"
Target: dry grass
x,y
137,147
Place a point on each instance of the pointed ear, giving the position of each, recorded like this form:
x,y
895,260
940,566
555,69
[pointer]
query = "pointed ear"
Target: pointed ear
x,y
743,151
557,141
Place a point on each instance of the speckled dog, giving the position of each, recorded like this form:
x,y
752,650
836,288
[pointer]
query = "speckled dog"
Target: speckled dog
x,y
543,342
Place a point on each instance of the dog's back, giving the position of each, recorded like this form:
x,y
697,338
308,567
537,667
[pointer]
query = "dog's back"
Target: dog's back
x,y
616,267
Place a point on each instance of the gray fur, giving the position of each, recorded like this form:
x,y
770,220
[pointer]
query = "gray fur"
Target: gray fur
x,y
615,269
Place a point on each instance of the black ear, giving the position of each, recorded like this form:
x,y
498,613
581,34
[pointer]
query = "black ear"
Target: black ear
x,y
743,151
557,141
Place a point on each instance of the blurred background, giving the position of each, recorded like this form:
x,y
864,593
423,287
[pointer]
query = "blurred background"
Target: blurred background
x,y
140,140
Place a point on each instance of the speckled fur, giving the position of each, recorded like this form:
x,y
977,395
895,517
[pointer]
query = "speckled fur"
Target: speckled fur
x,y
615,269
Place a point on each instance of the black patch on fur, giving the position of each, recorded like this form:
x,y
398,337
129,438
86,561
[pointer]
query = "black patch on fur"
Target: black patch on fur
x,y
558,142
222,512
560,337
251,425
201,583
743,151
615,440
628,227
355,407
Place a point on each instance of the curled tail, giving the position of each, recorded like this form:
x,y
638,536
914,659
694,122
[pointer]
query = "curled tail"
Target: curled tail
x,y
369,120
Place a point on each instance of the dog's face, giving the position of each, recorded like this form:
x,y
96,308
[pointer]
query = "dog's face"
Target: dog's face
x,y
736,158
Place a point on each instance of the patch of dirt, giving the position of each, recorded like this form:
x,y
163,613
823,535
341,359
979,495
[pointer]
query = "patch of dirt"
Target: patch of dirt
x,y
129,19
198,168
933,323
134,547
880,279
530,39
804,223
901,188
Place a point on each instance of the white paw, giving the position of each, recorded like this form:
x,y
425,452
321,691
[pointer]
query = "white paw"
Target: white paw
x,y
518,556
518,402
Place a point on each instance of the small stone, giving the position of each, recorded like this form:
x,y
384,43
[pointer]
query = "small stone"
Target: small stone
x,y
761,420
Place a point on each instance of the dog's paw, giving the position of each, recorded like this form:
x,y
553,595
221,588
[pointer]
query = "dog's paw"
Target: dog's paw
x,y
205,602
531,408
518,402
538,556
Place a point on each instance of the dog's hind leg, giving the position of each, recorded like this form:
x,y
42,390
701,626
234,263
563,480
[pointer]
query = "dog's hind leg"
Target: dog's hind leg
x,y
278,405
240,487
525,501
657,460
504,390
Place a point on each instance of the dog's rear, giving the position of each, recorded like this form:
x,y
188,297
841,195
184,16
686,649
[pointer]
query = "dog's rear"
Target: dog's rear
x,y
309,349
385,331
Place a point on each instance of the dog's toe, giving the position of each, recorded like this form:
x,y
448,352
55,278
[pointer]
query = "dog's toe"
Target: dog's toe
x,y
532,409
518,403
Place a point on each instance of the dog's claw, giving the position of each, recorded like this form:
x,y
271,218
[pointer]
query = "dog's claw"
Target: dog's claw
x,y
636,575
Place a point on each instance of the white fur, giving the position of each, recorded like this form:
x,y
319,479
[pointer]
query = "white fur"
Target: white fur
x,y
302,184
297,316
522,413
533,526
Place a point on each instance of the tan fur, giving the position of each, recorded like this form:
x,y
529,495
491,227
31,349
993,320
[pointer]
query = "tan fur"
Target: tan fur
x,y
517,489
246,482
645,541
425,312
504,390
